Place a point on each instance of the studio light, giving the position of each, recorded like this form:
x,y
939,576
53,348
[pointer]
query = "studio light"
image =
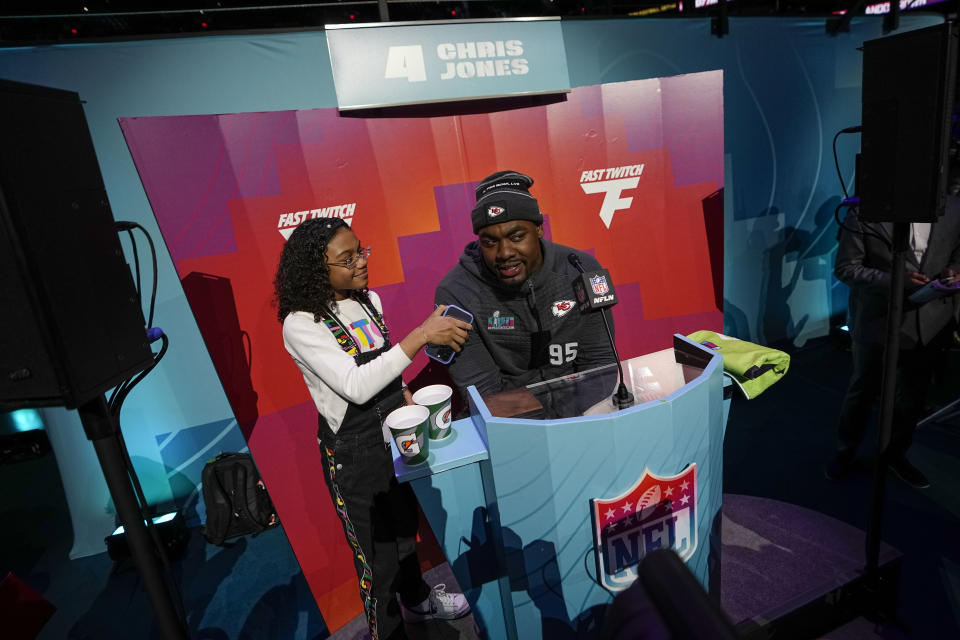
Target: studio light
x,y
171,527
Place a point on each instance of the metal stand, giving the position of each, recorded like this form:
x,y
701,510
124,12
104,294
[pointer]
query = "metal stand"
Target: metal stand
x,y
623,399
890,356
100,429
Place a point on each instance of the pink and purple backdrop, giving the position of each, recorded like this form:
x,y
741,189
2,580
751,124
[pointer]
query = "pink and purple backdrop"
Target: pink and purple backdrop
x,y
220,186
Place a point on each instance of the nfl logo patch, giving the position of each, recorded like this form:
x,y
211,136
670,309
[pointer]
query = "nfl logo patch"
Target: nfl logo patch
x,y
657,512
493,211
599,284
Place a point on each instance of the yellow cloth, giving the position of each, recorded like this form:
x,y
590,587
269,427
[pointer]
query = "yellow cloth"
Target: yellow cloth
x,y
752,366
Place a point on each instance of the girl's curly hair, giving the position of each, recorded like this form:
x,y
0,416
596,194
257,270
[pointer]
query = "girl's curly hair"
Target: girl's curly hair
x,y
302,282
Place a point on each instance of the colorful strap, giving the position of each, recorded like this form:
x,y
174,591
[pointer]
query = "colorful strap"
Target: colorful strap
x,y
377,318
344,339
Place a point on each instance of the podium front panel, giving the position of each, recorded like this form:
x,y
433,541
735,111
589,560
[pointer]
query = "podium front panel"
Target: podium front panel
x,y
580,500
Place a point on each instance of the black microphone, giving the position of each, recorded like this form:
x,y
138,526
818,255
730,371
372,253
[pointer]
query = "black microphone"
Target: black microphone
x,y
594,290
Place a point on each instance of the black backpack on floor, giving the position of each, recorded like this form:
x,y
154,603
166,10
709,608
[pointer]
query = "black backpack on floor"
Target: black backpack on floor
x,y
236,498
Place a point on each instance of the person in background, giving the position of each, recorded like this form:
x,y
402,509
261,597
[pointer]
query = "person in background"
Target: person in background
x,y
333,328
864,262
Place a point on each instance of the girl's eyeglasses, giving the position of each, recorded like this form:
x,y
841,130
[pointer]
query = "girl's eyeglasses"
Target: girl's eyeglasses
x,y
352,262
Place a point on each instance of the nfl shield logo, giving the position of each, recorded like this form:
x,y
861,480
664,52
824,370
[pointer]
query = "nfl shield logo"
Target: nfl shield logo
x,y
599,284
657,512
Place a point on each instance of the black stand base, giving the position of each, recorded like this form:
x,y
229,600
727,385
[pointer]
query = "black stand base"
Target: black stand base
x,y
100,428
623,398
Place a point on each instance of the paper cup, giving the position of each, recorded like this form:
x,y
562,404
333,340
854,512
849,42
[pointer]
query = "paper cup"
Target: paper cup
x,y
436,398
408,428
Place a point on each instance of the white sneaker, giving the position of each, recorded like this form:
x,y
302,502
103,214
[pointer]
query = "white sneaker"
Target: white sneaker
x,y
439,605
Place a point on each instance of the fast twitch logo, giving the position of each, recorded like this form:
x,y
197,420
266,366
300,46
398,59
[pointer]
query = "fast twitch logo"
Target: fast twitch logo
x,y
612,182
289,221
658,512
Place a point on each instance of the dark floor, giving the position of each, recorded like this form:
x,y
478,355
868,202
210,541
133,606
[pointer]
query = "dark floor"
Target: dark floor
x,y
776,447
252,589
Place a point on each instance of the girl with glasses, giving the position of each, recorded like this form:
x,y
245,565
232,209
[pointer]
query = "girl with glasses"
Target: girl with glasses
x,y
333,328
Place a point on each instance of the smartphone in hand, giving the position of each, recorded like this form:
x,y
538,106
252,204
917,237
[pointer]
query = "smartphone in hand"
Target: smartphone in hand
x,y
444,354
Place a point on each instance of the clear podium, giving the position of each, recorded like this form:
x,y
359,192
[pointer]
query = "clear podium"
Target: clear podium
x,y
546,497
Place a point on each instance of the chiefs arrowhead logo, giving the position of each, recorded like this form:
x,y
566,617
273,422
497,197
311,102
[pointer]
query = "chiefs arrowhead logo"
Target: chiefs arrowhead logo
x,y
493,211
561,308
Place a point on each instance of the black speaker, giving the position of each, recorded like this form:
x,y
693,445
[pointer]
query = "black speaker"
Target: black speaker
x,y
908,88
71,324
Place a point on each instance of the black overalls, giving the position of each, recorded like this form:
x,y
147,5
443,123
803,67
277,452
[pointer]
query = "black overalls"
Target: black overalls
x,y
378,514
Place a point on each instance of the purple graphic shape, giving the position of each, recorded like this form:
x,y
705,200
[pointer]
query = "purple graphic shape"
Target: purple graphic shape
x,y
311,125
193,166
186,172
426,257
590,100
252,139
692,126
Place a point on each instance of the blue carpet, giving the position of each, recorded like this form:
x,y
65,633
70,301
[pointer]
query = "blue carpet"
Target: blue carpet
x,y
252,589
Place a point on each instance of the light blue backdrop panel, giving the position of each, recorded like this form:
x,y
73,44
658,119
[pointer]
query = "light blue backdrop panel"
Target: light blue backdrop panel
x,y
779,195
185,452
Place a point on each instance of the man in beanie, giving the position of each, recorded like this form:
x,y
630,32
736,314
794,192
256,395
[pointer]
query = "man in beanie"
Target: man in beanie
x,y
518,286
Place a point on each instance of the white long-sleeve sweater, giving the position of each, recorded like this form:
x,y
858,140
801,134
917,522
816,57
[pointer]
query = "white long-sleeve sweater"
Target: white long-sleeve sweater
x,y
331,375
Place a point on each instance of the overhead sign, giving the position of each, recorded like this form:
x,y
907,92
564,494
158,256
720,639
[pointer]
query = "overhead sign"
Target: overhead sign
x,y
392,64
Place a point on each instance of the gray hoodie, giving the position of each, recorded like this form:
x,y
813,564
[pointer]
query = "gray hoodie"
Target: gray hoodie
x,y
525,334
